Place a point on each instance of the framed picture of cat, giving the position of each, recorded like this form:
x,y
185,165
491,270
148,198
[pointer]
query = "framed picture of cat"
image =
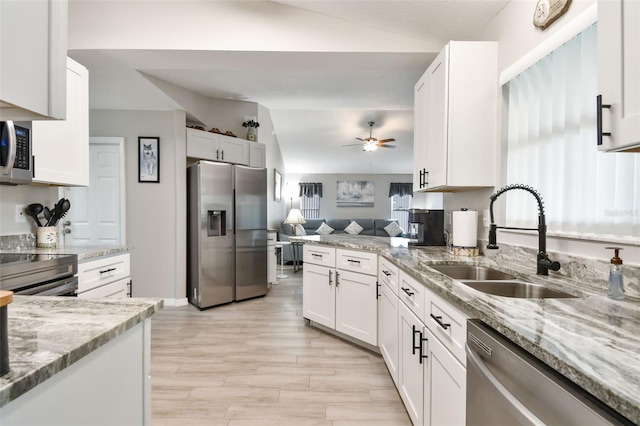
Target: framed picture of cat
x,y
149,159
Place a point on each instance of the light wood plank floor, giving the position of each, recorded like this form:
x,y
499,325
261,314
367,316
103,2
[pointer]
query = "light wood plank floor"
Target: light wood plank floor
x,y
257,363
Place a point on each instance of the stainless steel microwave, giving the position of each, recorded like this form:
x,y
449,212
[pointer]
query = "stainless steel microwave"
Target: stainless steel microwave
x,y
16,157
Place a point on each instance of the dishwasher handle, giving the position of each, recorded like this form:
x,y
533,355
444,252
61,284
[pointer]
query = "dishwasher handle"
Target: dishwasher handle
x,y
522,413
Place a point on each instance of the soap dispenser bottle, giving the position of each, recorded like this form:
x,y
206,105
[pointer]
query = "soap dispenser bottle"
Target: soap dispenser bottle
x,y
616,284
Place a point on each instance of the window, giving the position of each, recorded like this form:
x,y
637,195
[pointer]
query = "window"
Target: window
x,y
310,194
310,206
400,205
551,147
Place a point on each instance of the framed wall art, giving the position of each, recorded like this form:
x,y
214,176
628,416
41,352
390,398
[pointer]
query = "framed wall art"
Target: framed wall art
x,y
355,193
149,159
277,185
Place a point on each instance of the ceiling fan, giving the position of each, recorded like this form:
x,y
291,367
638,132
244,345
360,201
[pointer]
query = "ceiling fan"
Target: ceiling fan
x,y
371,143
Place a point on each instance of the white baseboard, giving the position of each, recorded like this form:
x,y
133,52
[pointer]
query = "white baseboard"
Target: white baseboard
x,y
175,302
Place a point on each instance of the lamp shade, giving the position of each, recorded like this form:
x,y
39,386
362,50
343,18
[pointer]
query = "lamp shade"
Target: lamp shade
x,y
295,217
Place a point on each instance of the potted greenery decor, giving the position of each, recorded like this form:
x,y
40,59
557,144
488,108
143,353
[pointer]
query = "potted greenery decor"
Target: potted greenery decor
x,y
251,124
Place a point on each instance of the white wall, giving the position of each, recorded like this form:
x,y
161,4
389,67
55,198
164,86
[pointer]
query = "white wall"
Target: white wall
x,y
276,210
156,213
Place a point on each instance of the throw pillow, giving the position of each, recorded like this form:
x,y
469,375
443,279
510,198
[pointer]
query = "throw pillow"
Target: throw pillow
x,y
393,229
324,229
354,228
300,230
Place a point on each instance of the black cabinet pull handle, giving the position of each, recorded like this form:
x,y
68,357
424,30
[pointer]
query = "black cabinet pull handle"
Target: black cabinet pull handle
x,y
426,177
217,154
353,261
330,275
413,339
439,321
337,278
222,154
599,106
316,255
107,270
409,292
421,184
377,290
421,357
387,273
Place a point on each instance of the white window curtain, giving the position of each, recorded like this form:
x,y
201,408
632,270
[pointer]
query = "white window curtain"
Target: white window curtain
x,y
551,147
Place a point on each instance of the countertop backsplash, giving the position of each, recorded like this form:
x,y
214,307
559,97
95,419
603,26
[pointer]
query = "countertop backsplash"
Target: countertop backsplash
x,y
593,273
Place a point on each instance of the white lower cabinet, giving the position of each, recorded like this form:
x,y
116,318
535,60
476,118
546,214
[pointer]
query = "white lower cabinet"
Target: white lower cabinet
x,y
445,381
342,300
388,329
104,277
411,370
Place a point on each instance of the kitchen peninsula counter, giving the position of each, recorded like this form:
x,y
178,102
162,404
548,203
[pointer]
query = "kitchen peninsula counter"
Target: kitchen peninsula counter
x,y
590,339
49,336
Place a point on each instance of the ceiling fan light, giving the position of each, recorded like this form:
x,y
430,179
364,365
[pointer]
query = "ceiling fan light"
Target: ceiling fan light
x,y
370,147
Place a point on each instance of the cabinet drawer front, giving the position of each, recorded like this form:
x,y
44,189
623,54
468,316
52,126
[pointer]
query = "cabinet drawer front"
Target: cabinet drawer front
x,y
102,271
447,323
357,261
388,274
411,292
319,255
116,290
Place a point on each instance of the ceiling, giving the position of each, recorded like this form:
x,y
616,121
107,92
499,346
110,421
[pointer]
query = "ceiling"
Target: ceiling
x,y
320,99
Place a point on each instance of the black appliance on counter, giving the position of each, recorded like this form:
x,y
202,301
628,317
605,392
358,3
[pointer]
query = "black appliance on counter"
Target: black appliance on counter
x,y
427,227
39,274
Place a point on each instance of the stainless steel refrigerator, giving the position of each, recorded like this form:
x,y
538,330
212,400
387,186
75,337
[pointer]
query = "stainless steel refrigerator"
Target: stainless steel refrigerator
x,y
227,233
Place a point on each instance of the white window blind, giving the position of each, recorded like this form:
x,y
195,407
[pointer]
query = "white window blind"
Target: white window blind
x,y
310,206
400,205
552,147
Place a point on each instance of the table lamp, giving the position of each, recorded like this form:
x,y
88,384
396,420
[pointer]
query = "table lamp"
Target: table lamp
x,y
294,218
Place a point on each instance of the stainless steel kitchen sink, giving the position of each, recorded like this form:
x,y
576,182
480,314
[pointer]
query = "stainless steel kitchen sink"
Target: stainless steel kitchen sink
x,y
516,289
472,272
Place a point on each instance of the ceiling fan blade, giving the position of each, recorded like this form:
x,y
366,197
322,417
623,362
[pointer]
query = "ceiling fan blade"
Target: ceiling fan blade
x,y
387,146
360,139
354,144
386,140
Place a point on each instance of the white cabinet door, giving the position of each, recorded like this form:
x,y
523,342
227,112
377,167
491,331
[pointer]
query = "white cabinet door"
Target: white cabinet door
x,y
102,271
61,148
272,257
436,112
445,386
618,71
411,365
33,51
357,306
234,150
318,288
420,133
388,330
257,155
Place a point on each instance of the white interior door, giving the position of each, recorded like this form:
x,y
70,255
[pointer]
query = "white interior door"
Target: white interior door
x,y
97,215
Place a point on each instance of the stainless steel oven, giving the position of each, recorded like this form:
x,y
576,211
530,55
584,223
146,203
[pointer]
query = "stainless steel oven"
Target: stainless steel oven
x,y
39,274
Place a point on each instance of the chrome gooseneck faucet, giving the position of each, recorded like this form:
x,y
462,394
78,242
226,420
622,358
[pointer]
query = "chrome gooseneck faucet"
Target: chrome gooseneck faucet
x,y
543,261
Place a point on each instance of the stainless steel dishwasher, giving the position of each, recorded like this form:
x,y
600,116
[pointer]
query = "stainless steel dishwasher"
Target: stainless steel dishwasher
x,y
508,386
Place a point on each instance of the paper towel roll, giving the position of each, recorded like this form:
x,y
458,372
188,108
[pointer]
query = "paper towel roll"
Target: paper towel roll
x,y
465,228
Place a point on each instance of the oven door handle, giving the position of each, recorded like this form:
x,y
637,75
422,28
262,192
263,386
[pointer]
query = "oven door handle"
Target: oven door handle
x,y
523,415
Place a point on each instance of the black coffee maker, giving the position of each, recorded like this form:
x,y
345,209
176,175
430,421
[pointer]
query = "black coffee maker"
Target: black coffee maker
x,y
427,227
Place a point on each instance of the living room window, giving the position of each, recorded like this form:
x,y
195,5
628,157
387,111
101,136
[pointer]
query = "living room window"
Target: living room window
x,y
310,194
310,206
400,194
551,147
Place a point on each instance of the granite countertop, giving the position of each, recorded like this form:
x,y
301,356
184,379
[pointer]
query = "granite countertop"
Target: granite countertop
x,y
592,340
48,334
83,252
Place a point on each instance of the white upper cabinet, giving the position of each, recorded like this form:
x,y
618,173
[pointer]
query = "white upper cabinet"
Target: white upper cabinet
x,y
61,148
216,147
619,74
257,154
455,119
33,54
